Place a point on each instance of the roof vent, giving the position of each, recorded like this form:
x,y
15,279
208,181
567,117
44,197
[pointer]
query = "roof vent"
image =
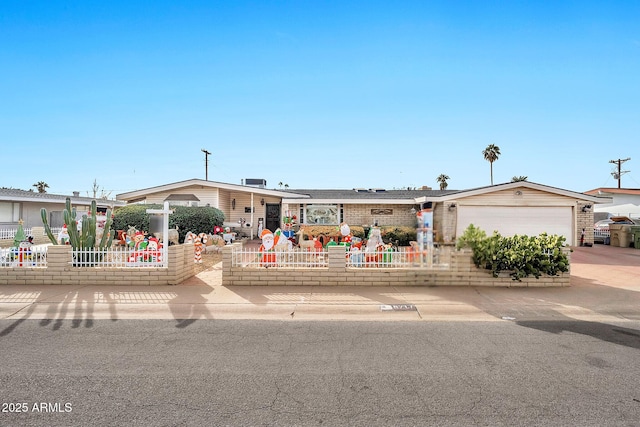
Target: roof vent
x,y
252,182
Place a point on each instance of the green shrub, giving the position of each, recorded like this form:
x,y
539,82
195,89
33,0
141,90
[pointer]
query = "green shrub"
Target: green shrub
x,y
195,219
397,234
133,216
186,218
521,256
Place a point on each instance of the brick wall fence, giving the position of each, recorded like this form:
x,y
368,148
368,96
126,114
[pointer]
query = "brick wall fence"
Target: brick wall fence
x,y
59,271
461,272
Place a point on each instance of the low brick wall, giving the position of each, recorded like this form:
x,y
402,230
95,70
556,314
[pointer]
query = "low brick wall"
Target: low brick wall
x,y
59,271
461,272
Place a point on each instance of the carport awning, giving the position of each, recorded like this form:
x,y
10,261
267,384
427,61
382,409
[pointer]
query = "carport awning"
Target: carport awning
x,y
182,198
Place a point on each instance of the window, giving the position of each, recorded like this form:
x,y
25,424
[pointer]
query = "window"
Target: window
x,y
322,214
9,212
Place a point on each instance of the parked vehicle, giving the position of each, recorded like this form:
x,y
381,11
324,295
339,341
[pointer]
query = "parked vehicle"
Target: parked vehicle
x,y
601,233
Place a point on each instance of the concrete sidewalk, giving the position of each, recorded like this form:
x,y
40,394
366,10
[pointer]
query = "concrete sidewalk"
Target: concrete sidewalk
x,y
605,286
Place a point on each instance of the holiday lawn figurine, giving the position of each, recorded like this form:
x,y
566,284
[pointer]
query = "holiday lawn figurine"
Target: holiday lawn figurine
x,y
153,248
355,256
137,239
24,253
267,252
375,245
198,244
281,241
345,231
63,236
198,241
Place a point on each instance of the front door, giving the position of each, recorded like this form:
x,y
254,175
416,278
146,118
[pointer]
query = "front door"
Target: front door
x,y
273,217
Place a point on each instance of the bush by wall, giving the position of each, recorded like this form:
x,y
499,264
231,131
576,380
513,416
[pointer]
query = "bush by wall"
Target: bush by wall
x,y
186,218
521,256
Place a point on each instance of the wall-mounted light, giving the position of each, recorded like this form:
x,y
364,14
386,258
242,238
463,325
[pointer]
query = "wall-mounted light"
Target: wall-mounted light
x,y
262,201
413,210
233,204
452,206
586,208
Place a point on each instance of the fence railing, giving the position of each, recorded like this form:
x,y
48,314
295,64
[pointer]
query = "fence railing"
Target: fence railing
x,y
601,234
253,258
10,233
401,257
119,257
390,258
33,256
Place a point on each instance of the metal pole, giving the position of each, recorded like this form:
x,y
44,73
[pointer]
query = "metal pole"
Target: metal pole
x,y
206,164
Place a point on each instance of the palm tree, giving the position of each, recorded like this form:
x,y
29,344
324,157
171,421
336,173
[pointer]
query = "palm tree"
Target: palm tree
x,y
442,180
280,184
41,186
519,178
491,154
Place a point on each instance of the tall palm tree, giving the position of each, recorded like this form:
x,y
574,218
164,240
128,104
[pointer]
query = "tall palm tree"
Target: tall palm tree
x,y
442,180
491,154
41,186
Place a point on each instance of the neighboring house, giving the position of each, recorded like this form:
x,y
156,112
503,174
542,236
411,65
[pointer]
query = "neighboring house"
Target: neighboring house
x,y
16,205
624,201
512,208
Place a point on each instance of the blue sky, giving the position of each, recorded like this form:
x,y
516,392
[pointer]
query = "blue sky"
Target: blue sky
x,y
317,94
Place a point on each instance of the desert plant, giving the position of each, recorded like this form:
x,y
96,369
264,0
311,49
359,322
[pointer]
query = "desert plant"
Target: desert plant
x,y
86,238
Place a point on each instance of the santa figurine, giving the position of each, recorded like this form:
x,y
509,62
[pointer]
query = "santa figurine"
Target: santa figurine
x,y
267,253
63,236
345,231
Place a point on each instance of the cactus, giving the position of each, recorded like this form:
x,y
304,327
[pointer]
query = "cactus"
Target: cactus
x,y
47,229
86,237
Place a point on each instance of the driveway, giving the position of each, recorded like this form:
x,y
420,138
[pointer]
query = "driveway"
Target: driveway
x,y
606,265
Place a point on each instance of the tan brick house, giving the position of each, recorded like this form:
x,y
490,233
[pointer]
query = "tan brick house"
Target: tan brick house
x,y
511,208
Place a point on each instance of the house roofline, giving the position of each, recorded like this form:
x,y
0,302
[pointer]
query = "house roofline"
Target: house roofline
x,y
512,185
409,201
141,194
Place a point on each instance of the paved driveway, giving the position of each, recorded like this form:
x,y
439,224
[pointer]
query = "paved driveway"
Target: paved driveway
x,y
606,265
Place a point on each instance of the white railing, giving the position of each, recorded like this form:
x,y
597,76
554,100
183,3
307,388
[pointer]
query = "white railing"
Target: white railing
x,y
601,235
33,256
119,257
253,258
10,233
398,257
402,257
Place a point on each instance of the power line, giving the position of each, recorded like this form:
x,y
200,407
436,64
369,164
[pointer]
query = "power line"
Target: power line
x,y
618,174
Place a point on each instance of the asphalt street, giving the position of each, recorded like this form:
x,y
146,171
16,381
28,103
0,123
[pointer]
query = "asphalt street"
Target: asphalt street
x,y
190,372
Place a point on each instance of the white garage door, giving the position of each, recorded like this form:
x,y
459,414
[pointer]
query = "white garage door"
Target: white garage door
x,y
518,220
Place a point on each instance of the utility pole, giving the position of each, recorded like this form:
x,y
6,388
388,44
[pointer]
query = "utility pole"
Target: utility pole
x,y
617,175
206,164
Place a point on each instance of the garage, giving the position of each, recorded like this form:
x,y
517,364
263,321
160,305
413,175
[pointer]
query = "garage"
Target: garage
x,y
511,220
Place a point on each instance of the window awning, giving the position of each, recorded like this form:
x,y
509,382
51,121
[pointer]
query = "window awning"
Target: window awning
x,y
182,198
